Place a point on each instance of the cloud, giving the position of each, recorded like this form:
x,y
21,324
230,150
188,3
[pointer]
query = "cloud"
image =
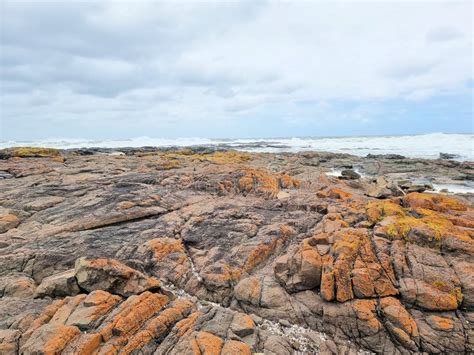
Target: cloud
x,y
443,34
220,64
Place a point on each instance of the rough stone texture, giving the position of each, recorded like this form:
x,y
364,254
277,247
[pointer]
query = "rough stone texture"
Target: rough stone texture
x,y
59,285
111,275
203,252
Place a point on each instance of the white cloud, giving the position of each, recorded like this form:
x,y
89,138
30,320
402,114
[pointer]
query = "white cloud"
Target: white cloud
x,y
191,61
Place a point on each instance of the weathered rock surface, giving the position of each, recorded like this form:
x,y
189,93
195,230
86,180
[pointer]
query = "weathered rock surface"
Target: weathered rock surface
x,y
204,252
111,275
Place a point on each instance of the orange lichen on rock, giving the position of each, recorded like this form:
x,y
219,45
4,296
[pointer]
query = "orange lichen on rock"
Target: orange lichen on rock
x,y
208,343
132,313
435,202
426,220
158,326
431,296
353,269
366,311
44,317
83,344
287,182
49,339
30,152
264,250
396,313
328,291
440,323
113,276
162,247
94,306
234,347
186,324
221,158
8,221
376,210
339,194
264,182
125,205
249,290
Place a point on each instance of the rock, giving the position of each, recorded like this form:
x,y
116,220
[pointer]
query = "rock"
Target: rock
x,y
43,203
242,325
300,270
17,286
7,222
278,345
9,341
243,265
112,276
208,343
349,174
49,339
5,175
400,323
382,188
233,347
448,156
386,156
29,152
59,285
95,305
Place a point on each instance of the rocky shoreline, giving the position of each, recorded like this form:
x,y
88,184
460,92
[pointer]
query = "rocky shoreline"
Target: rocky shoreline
x,y
205,251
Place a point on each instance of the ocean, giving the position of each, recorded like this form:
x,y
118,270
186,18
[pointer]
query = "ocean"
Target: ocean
x,y
415,146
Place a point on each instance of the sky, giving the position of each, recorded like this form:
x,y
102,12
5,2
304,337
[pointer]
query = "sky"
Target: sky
x,y
123,69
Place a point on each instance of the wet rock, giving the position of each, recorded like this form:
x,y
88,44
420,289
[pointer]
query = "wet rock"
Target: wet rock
x,y
348,174
448,156
386,156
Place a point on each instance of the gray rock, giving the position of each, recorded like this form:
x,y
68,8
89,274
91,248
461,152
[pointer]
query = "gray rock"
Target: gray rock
x,y
349,174
59,285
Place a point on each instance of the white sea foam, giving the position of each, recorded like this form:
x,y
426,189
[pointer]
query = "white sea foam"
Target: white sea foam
x,y
415,146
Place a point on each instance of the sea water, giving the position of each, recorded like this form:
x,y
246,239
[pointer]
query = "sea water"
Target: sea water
x,y
414,146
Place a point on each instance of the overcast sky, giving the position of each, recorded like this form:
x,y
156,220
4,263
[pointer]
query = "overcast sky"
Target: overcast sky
x,y
108,70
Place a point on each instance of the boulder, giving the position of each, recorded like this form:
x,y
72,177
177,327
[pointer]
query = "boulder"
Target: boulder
x,y
112,276
382,188
59,285
349,174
